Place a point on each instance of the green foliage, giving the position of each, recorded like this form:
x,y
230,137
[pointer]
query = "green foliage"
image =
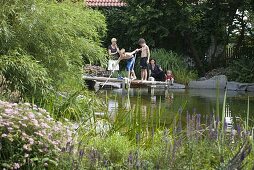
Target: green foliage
x,y
195,28
30,138
242,70
115,148
25,75
169,60
74,106
58,37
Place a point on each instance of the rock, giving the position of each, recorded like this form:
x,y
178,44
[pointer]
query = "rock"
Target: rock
x,y
202,79
210,83
250,88
236,86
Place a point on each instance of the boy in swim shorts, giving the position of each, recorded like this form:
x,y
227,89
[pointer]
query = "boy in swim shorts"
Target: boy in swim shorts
x,y
145,57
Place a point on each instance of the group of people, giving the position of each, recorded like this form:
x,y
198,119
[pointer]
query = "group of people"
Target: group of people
x,y
149,67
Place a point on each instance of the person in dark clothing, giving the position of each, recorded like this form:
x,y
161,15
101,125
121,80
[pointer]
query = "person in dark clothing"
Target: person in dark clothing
x,y
113,52
156,71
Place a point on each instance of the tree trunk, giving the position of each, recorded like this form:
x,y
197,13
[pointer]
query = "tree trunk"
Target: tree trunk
x,y
194,53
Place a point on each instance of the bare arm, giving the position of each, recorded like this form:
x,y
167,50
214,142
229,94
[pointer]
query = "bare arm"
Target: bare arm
x,y
128,55
148,54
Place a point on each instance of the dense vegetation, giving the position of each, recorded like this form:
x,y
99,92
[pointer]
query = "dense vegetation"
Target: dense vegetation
x,y
197,29
44,45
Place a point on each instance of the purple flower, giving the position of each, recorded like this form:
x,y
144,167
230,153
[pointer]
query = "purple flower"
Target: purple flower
x,y
188,124
81,153
130,159
198,121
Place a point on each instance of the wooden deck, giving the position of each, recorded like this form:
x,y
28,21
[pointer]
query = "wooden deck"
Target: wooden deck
x,y
117,83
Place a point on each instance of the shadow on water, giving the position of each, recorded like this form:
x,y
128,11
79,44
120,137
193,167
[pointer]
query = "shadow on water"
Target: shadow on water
x,y
202,101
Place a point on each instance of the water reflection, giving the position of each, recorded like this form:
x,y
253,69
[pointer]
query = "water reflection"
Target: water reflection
x,y
203,101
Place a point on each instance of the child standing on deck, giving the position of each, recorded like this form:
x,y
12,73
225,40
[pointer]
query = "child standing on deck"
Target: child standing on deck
x,y
145,56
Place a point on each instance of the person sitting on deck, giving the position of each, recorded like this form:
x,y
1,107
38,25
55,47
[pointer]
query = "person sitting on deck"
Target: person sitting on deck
x,y
170,77
129,56
156,71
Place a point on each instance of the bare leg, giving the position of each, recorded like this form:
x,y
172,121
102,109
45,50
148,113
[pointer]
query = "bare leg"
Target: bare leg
x,y
142,74
133,75
129,74
145,74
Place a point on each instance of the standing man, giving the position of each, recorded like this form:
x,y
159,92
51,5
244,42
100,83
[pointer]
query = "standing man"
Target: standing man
x,y
113,52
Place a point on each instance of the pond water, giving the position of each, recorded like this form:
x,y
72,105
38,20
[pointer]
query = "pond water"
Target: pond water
x,y
202,101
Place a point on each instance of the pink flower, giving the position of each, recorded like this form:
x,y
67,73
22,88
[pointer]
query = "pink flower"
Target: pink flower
x,y
9,111
31,141
16,166
44,125
35,122
31,115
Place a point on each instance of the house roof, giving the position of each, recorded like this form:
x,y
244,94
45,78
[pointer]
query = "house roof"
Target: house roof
x,y
105,3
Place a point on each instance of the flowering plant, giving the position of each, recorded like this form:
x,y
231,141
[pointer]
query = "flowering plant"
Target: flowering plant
x,y
29,137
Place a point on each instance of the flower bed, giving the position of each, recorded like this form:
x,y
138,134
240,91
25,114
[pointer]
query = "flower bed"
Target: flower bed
x,y
29,137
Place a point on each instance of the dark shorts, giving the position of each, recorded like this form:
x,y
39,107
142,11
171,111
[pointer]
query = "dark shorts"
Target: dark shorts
x,y
130,64
143,63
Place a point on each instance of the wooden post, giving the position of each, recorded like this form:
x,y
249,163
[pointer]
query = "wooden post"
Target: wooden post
x,y
151,89
125,85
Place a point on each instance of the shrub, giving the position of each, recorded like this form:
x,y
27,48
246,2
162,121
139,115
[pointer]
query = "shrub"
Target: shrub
x,y
25,75
30,138
54,38
169,60
242,70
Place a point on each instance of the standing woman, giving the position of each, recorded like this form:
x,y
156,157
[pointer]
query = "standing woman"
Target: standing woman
x,y
113,51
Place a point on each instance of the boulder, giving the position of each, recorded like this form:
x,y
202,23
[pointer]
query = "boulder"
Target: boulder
x,y
236,86
250,88
202,79
210,83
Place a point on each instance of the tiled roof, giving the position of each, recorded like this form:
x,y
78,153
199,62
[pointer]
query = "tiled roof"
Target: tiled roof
x,y
105,3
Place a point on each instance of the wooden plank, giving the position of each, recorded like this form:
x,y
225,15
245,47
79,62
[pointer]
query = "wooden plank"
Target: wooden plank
x,y
102,79
134,83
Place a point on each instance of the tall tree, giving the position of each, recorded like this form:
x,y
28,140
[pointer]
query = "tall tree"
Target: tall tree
x,y
197,28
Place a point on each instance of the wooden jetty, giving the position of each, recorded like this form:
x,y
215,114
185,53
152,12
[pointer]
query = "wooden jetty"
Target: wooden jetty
x,y
121,83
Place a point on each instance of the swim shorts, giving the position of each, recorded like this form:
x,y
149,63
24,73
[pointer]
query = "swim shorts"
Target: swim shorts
x,y
143,63
130,64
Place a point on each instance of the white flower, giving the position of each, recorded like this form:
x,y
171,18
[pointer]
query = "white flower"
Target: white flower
x,y
4,135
